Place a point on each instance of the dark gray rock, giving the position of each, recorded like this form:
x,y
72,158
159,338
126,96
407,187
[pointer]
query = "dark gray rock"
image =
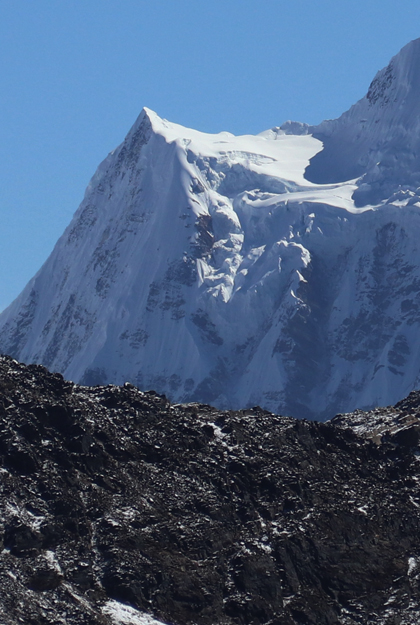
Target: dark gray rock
x,y
194,515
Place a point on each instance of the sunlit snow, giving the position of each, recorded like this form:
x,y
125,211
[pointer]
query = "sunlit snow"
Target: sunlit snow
x,y
122,614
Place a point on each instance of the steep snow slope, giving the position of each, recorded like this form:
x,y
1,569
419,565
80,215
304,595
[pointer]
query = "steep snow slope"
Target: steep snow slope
x,y
209,268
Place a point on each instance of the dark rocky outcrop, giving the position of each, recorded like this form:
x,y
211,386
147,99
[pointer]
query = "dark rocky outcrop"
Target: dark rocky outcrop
x,y
113,496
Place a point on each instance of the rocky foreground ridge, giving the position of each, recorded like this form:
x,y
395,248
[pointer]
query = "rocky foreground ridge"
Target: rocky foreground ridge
x,y
116,505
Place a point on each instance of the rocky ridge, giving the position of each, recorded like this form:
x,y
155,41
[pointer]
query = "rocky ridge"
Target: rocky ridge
x,y
119,508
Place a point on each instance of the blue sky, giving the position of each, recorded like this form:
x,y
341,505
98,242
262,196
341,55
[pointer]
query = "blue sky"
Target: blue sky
x,y
75,74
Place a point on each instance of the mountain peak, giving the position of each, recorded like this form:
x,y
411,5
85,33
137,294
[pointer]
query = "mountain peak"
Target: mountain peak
x,y
378,139
398,78
147,119
407,61
147,115
149,122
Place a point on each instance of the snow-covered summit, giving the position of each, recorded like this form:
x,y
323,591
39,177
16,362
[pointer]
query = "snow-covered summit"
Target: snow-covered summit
x,y
280,269
379,137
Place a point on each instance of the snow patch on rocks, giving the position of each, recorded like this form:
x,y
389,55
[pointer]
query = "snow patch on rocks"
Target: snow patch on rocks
x,y
122,614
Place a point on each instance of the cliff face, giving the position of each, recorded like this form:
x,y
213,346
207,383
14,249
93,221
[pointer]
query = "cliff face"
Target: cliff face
x,y
117,507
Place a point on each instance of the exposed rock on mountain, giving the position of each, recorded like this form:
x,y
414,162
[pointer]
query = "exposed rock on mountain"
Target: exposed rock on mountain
x,y
116,504
281,270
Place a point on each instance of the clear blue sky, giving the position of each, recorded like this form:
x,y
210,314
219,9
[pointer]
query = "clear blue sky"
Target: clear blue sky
x,y
74,75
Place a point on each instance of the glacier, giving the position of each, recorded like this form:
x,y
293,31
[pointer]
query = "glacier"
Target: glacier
x,y
279,270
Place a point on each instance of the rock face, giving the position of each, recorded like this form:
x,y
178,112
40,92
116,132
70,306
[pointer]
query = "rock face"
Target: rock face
x,y
280,270
119,508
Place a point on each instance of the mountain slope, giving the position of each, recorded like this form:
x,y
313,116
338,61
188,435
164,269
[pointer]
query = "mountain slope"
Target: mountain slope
x,y
378,139
116,505
244,270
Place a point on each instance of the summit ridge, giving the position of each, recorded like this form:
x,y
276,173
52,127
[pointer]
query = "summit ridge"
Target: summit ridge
x,y
378,138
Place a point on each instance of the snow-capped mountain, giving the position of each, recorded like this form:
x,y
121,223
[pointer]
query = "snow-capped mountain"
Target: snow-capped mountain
x,y
280,269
